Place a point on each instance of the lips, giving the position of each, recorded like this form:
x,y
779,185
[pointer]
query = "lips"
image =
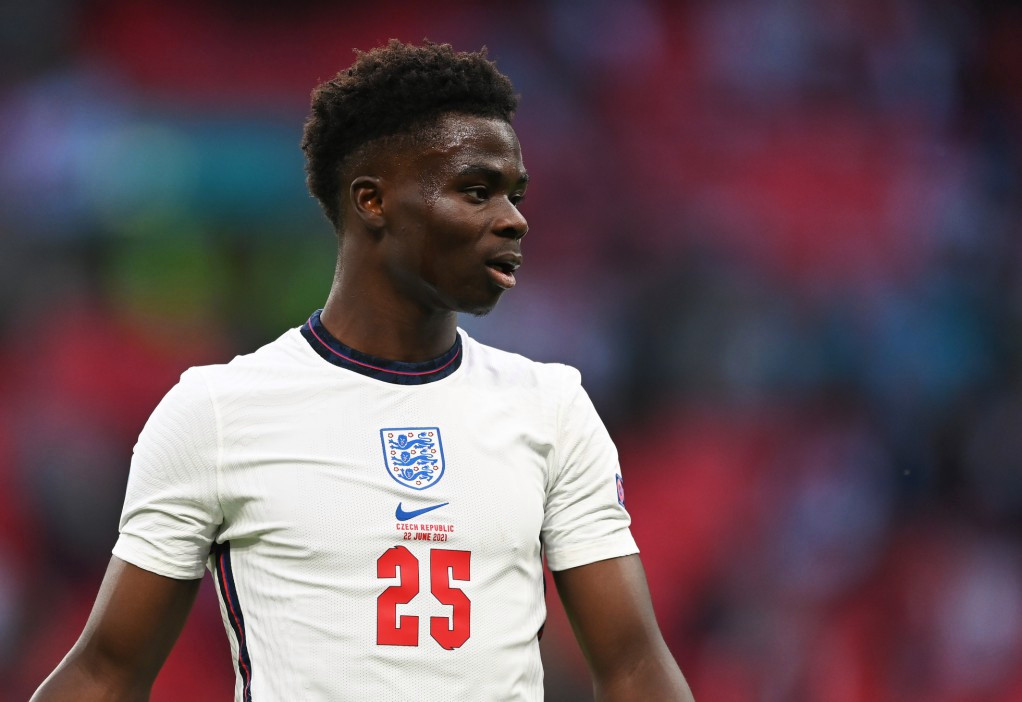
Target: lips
x,y
503,267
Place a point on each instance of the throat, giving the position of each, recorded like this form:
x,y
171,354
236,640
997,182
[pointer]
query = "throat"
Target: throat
x,y
406,338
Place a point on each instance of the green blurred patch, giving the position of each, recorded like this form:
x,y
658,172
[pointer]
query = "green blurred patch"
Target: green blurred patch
x,y
286,279
254,283
170,269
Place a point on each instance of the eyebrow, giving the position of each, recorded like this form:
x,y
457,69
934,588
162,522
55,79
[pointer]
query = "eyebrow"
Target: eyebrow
x,y
490,173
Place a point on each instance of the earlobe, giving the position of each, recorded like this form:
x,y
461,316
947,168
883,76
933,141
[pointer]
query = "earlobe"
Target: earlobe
x,y
366,195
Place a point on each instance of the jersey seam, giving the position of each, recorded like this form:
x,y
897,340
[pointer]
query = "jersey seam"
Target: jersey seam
x,y
219,440
556,453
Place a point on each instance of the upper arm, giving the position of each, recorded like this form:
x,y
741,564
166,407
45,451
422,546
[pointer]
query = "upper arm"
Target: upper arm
x,y
584,515
137,617
172,502
610,611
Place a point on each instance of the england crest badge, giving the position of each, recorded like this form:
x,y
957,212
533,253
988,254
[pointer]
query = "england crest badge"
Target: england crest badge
x,y
414,456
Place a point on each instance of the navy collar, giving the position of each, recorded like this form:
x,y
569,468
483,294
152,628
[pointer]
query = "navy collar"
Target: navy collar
x,y
397,372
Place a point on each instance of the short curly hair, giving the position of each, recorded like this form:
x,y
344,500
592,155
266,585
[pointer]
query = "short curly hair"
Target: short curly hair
x,y
397,89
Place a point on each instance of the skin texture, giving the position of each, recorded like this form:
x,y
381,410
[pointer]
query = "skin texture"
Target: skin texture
x,y
420,224
610,611
137,617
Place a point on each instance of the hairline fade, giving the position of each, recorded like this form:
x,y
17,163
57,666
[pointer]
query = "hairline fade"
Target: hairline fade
x,y
397,89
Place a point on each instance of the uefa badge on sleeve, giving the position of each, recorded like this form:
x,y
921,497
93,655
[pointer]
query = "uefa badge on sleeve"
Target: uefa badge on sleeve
x,y
620,490
414,456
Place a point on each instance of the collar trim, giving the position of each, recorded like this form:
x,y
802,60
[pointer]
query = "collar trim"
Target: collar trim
x,y
396,372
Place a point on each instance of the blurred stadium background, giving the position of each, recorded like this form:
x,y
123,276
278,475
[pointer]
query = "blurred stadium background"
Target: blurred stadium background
x,y
780,238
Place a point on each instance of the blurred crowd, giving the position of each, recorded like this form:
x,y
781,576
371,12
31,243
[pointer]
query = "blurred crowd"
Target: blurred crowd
x,y
782,240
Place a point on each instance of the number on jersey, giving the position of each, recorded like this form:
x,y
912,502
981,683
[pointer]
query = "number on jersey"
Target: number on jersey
x,y
445,565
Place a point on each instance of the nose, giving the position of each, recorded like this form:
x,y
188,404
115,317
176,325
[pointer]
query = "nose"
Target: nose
x,y
511,222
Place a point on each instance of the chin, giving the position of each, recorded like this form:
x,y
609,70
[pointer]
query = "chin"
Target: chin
x,y
478,309
479,312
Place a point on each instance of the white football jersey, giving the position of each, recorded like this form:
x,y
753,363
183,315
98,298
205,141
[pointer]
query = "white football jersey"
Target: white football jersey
x,y
376,529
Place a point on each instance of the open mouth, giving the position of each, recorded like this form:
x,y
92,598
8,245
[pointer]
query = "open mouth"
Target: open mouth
x,y
502,270
505,267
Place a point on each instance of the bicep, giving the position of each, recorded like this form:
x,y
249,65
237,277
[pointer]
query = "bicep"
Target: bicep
x,y
609,608
137,617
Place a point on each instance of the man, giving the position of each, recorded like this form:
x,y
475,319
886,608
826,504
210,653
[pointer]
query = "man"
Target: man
x,y
375,491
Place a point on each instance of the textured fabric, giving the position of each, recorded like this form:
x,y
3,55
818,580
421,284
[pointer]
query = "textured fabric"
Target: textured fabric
x,y
376,541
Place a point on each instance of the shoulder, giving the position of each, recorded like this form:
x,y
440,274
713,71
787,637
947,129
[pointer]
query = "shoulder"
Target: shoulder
x,y
282,357
283,368
512,369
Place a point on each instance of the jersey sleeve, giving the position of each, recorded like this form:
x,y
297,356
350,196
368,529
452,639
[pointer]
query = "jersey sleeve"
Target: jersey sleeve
x,y
585,520
171,507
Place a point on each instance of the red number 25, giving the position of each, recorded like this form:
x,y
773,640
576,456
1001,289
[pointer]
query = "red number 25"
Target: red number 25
x,y
444,566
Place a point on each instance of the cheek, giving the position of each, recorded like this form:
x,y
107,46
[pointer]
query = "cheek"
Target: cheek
x,y
448,245
452,265
452,227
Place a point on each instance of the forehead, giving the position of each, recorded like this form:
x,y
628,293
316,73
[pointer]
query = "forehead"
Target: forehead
x,y
458,141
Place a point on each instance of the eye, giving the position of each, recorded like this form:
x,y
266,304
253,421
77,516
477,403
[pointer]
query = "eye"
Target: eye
x,y
478,193
517,198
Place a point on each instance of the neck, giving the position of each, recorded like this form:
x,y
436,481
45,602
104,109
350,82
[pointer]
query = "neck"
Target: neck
x,y
379,324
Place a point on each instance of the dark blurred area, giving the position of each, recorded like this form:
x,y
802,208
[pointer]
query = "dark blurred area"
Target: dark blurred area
x,y
780,238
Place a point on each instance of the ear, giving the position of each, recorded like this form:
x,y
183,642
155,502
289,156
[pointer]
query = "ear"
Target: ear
x,y
366,195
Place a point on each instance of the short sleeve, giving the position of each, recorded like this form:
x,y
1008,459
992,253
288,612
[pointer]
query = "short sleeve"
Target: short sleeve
x,y
585,520
171,507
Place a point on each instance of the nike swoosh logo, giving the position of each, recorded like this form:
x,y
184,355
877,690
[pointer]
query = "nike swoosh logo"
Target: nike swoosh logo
x,y
403,516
